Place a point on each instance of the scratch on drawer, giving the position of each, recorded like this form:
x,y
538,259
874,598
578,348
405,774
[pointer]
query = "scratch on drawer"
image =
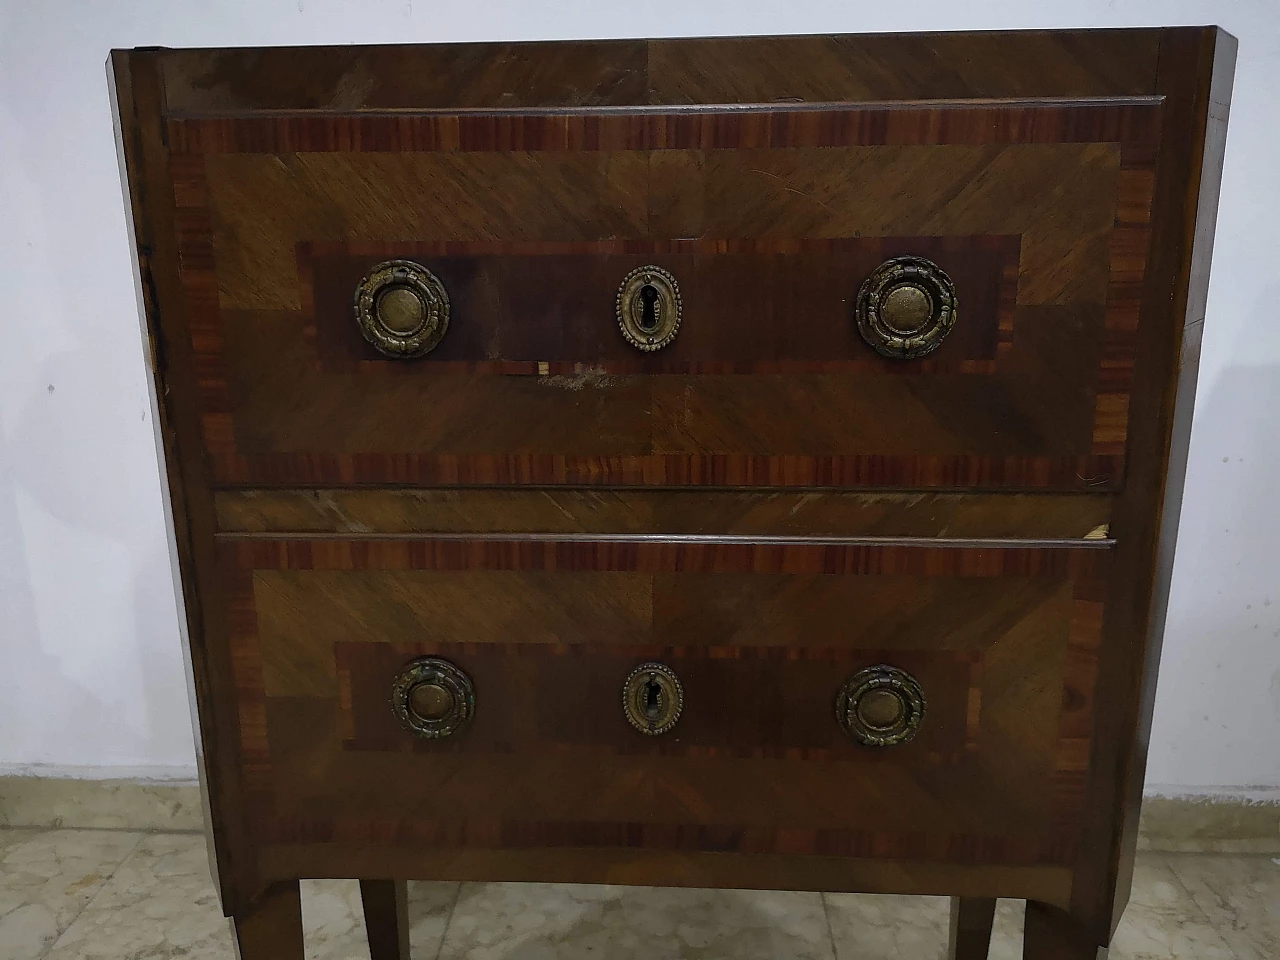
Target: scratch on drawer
x,y
595,377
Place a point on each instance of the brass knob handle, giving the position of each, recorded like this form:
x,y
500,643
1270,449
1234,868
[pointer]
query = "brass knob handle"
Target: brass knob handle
x,y
906,307
402,309
649,308
432,697
652,698
881,706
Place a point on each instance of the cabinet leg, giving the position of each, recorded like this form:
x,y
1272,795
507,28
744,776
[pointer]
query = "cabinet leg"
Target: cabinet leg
x,y
971,919
1051,934
386,918
271,929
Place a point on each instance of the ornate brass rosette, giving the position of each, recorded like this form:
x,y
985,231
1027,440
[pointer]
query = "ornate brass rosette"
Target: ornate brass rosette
x,y
402,309
432,697
906,307
881,706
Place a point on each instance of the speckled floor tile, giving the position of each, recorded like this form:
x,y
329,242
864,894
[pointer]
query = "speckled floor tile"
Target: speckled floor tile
x,y
1240,896
1006,933
866,927
333,919
161,903
505,921
47,878
105,895
12,836
1162,922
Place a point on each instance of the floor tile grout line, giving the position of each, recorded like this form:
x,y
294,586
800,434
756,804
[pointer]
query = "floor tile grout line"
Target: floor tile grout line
x,y
1218,929
1222,904
831,933
106,880
1167,860
457,895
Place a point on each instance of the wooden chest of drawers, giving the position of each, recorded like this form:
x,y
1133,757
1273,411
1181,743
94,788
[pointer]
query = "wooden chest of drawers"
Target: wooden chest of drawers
x,y
729,462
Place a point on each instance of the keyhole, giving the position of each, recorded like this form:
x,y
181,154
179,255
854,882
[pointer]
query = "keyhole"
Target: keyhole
x,y
652,699
649,307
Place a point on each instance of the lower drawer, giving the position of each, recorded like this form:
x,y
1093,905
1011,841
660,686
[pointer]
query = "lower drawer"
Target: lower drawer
x,y
986,710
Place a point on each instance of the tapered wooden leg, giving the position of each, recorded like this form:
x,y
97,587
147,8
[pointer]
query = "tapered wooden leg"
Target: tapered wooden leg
x,y
386,918
971,919
1051,934
271,929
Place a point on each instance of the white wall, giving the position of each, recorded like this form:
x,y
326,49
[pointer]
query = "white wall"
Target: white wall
x,y
90,664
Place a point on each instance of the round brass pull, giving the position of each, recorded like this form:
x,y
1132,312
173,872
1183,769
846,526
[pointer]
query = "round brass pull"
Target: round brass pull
x,y
906,307
652,698
649,308
432,697
402,309
881,706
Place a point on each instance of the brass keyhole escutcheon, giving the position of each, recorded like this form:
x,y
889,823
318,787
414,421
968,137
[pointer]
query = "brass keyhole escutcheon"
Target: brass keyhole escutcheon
x,y
881,706
432,698
402,309
652,698
906,307
649,308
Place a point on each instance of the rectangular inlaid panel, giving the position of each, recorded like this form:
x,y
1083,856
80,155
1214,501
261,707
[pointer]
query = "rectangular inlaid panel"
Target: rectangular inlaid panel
x,y
752,702
1003,640
769,218
752,306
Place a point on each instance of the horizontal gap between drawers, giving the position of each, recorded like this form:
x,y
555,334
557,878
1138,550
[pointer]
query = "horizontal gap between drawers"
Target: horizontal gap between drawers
x,y
1102,543
662,109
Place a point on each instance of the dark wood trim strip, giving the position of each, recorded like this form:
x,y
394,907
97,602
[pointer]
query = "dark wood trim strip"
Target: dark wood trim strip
x,y
1093,473
465,553
688,869
1006,244
551,835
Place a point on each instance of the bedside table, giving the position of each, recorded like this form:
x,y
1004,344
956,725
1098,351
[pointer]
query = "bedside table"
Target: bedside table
x,y
716,462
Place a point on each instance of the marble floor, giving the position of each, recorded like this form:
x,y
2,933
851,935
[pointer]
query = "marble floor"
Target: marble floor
x,y
99,894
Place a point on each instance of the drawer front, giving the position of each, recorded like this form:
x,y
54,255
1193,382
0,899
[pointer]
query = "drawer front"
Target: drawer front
x,y
1003,643
769,221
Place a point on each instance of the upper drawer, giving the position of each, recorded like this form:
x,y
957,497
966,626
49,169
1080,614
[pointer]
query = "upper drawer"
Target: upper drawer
x,y
770,220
